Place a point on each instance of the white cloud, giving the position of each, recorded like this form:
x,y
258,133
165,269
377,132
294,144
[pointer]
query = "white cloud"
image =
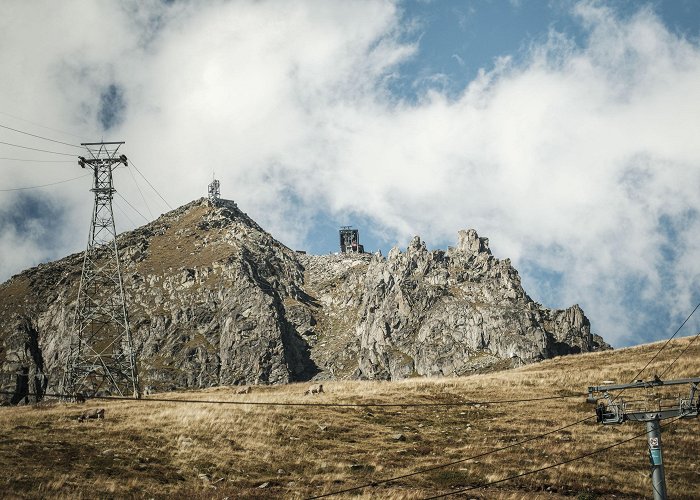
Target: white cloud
x,y
570,161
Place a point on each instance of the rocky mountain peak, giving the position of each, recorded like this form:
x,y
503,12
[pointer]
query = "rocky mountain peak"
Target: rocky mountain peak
x,y
214,299
470,243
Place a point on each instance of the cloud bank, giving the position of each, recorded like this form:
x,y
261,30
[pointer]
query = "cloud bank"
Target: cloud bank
x,y
580,161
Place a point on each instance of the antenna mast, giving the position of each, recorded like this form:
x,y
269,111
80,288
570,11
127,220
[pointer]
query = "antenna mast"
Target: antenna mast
x,y
101,356
214,192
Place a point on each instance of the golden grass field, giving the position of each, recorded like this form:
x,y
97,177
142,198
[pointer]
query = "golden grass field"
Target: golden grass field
x,y
151,449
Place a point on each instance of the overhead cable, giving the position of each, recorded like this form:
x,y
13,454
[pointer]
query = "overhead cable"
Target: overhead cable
x,y
41,126
133,207
44,185
141,193
680,354
666,343
36,149
37,161
616,397
131,162
40,137
125,214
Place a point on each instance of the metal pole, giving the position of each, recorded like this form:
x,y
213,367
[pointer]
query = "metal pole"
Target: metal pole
x,y
618,412
658,478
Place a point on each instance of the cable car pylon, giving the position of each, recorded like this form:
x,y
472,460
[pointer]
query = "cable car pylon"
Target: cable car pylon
x,y
651,410
101,358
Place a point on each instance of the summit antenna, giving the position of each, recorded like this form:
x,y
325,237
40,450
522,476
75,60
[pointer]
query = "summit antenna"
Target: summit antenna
x,y
214,192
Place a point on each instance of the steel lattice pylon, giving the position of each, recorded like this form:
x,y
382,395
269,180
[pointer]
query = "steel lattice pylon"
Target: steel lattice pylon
x,y
101,357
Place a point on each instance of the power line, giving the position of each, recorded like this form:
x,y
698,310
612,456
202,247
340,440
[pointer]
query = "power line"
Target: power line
x,y
149,183
574,459
449,464
40,137
44,185
35,149
656,355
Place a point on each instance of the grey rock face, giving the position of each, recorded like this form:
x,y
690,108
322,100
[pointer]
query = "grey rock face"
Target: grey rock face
x,y
215,300
450,313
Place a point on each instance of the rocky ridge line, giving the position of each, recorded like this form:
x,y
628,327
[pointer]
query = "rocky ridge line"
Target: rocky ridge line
x,y
215,300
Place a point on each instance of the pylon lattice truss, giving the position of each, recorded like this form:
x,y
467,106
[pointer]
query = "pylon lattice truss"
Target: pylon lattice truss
x,y
101,357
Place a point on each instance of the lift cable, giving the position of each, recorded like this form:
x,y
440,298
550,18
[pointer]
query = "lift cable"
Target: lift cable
x,y
133,207
666,344
36,161
42,126
134,224
141,193
131,162
44,185
36,149
41,137
680,354
613,399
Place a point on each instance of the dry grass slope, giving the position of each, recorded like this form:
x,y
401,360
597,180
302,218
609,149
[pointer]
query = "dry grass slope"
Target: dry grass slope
x,y
156,449
178,244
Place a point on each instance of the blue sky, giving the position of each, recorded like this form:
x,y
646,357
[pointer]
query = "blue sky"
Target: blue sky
x,y
457,38
566,132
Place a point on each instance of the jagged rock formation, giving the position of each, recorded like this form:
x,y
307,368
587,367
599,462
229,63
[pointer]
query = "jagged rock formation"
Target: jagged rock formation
x,y
215,300
432,313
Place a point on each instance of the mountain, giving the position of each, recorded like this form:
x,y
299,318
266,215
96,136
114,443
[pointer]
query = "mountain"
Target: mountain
x,y
215,300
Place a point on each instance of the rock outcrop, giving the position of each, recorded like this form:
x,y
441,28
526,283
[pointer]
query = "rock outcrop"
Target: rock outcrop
x,y
215,300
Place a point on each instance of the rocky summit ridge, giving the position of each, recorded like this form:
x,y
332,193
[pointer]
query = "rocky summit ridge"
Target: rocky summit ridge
x,y
215,300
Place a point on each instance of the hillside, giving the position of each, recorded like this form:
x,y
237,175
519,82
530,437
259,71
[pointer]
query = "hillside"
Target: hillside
x,y
213,300
152,449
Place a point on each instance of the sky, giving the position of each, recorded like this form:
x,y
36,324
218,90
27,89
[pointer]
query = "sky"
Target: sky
x,y
566,132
